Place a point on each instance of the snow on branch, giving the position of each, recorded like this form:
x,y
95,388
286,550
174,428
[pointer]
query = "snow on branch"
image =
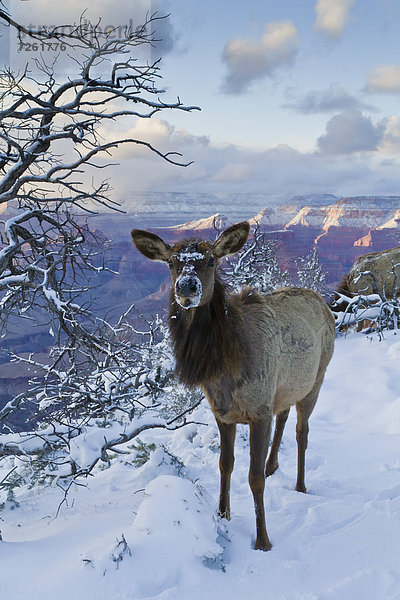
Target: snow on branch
x,y
89,407
51,133
102,383
46,264
256,265
310,272
371,313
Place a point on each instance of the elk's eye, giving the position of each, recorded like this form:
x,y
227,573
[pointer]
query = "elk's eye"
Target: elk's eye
x,y
211,262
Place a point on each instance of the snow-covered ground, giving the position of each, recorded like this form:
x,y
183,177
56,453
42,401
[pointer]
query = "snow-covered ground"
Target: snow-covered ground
x,y
340,541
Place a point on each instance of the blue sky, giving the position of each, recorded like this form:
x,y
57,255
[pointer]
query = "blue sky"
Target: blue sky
x,y
259,116
295,97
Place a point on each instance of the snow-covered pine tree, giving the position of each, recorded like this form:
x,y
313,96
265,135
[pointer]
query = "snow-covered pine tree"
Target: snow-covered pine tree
x,y
309,272
256,265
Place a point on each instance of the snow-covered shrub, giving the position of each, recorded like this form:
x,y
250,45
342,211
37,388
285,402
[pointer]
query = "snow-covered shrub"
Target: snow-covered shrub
x,y
143,452
256,265
310,273
90,406
371,313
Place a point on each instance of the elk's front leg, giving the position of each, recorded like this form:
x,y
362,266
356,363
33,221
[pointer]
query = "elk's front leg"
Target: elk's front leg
x,y
259,439
226,460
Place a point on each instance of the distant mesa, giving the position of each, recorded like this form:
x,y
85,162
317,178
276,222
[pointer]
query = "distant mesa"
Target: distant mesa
x,y
181,209
366,241
217,221
393,223
309,216
275,216
167,209
339,227
378,239
314,199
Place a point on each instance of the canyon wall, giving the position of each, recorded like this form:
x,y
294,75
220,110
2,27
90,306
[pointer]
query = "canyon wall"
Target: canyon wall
x,y
341,230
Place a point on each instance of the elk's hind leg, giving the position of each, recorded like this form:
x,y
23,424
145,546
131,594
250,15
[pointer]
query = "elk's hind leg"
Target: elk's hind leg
x,y
259,439
272,462
304,409
226,460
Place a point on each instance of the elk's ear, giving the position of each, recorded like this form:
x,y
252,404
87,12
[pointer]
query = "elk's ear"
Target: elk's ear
x,y
231,240
150,245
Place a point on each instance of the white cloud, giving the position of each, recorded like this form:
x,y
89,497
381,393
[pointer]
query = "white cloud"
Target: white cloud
x,y
350,132
237,172
248,61
159,133
320,101
340,167
279,171
390,143
384,78
155,131
332,16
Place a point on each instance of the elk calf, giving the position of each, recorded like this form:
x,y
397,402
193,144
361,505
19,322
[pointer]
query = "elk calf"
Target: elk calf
x,y
253,356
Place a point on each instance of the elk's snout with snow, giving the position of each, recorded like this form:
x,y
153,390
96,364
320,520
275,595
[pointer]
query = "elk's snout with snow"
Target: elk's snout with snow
x,y
186,268
253,356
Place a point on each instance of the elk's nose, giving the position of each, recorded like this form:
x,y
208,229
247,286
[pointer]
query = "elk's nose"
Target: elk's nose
x,y
187,286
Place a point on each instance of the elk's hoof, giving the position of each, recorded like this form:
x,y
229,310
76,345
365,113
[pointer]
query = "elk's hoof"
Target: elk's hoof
x,y
300,487
270,468
264,546
224,514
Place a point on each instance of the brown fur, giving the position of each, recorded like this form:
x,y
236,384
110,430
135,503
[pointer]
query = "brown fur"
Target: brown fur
x,y
190,245
385,269
372,273
343,287
205,341
253,355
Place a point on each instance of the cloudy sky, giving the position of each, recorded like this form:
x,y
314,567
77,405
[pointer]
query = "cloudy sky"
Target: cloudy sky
x,y
295,97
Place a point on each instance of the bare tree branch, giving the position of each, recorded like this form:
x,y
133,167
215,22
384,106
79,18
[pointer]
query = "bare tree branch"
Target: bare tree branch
x,y
369,313
101,380
35,114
